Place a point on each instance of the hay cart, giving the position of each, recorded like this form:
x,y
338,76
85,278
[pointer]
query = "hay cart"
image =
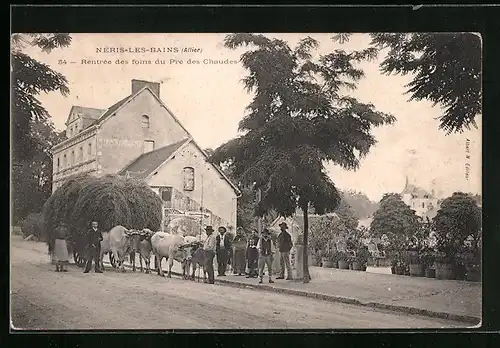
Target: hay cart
x,y
77,246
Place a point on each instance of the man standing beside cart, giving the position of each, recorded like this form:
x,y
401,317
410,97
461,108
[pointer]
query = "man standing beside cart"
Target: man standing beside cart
x,y
94,238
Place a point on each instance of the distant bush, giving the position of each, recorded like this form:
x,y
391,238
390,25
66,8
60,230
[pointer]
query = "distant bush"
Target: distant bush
x,y
33,224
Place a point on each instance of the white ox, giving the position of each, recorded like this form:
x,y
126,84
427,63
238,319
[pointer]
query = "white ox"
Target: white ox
x,y
171,246
120,244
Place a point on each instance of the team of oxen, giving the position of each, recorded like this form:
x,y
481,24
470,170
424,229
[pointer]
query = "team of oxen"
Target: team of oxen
x,y
122,242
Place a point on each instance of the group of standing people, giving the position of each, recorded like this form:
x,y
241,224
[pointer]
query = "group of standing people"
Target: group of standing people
x,y
251,253
59,247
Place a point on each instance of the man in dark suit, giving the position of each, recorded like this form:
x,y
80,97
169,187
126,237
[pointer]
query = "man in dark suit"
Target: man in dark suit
x,y
94,238
223,248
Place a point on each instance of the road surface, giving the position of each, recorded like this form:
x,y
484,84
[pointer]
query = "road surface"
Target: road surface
x,y
44,299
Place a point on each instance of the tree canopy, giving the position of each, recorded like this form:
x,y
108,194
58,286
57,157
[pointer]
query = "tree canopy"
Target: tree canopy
x,y
394,218
458,218
446,70
300,117
29,79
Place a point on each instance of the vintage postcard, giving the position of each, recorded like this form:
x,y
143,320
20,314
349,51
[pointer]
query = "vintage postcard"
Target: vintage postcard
x,y
246,181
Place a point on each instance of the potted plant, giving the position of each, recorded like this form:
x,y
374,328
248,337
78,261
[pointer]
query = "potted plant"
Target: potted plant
x,y
444,265
327,259
361,259
427,258
343,259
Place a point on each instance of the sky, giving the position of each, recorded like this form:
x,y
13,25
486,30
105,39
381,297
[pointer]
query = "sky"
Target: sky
x,y
210,100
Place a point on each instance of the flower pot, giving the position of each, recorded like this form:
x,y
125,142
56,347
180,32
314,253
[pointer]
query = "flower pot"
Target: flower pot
x,y
326,263
444,271
363,269
430,273
459,272
343,264
356,266
399,270
417,270
473,274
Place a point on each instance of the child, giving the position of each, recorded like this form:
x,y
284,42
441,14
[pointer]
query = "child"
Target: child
x,y
61,248
252,257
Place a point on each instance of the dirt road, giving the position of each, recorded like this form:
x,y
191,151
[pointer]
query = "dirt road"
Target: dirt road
x,y
44,299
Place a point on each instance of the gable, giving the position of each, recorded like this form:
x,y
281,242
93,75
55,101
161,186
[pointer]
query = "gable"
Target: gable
x,y
147,163
83,112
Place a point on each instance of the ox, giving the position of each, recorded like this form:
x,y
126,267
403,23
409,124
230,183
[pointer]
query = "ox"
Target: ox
x,y
171,246
198,260
141,243
120,243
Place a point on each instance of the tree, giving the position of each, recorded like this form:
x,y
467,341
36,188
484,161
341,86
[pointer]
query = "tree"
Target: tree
x,y
458,218
361,205
394,218
32,180
29,79
446,70
347,215
299,118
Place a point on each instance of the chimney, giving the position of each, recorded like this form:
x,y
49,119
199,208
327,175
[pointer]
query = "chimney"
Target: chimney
x,y
137,85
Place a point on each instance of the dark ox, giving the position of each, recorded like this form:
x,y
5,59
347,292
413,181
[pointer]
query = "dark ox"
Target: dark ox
x,y
195,260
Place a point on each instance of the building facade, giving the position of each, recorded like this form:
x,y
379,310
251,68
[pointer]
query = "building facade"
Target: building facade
x,y
424,203
140,137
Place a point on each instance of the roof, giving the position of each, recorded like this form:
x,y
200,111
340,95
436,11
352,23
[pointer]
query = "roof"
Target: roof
x,y
85,112
415,191
115,107
147,163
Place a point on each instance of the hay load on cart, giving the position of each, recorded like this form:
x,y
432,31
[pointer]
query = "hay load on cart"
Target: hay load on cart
x,y
110,200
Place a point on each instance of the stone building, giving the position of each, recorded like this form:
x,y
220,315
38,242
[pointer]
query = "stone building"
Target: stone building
x,y
140,137
424,203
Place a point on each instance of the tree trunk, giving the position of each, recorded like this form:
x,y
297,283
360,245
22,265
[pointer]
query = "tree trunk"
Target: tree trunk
x,y
307,276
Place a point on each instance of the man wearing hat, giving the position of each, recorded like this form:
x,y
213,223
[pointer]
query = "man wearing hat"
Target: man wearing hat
x,y
209,247
285,245
223,248
266,251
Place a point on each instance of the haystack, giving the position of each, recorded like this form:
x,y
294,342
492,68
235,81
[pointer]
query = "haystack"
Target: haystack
x,y
110,200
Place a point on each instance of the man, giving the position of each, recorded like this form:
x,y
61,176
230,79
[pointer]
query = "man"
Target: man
x,y
266,251
285,245
223,248
94,238
209,247
240,246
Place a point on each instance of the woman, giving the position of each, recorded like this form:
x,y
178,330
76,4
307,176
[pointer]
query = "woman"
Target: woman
x,y
61,247
239,246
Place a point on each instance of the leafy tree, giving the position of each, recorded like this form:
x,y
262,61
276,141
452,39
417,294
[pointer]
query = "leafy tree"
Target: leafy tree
x,y
458,218
32,180
361,205
446,69
299,118
394,218
29,79
347,215
324,233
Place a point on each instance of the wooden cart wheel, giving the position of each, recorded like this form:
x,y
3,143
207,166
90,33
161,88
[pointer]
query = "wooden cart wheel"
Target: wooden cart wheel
x,y
112,260
79,259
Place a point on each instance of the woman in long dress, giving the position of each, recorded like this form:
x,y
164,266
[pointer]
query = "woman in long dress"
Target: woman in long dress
x,y
61,248
239,244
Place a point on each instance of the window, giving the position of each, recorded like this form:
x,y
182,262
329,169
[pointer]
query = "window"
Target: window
x,y
188,178
58,164
80,157
149,145
166,194
73,157
89,149
423,205
70,131
145,121
65,161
